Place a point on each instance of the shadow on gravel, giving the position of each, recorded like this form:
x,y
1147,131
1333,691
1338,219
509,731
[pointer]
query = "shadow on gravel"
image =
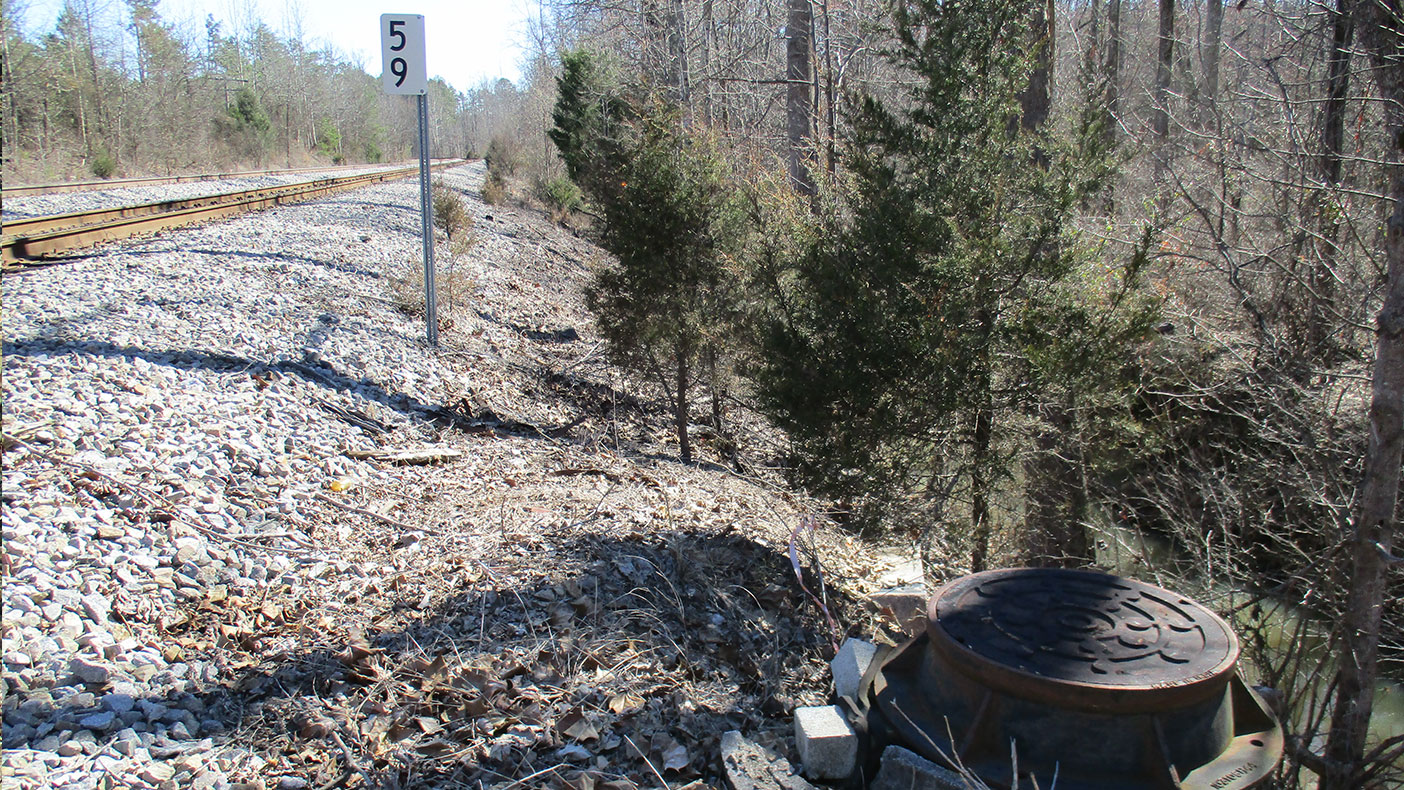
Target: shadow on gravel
x,y
338,266
618,657
538,333
313,372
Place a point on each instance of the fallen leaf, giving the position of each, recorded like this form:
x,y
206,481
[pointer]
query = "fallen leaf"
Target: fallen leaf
x,y
670,753
575,725
319,727
573,752
627,702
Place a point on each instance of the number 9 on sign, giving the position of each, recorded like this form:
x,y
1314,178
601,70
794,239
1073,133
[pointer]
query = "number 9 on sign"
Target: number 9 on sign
x,y
402,54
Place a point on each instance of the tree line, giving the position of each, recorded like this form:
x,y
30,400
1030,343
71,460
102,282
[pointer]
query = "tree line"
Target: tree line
x,y
117,89
1003,271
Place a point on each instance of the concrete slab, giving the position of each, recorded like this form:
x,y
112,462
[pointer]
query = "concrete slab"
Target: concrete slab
x,y
827,744
903,769
750,766
904,605
849,665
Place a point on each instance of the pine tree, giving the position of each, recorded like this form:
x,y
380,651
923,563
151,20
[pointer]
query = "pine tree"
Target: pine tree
x,y
670,219
947,295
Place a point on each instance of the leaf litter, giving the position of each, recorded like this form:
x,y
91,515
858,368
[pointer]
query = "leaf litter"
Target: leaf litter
x,y
570,608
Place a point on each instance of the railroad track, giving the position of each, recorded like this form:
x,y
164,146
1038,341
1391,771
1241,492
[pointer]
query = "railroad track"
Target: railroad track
x,y
24,241
124,183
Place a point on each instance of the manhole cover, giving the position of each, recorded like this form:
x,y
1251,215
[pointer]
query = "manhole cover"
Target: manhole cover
x,y
1084,628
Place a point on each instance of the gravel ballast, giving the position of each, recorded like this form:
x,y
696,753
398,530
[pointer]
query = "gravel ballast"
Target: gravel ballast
x,y
196,520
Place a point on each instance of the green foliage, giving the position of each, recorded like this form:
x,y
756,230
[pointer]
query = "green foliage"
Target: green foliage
x,y
670,217
561,196
372,152
328,139
450,214
245,124
946,297
103,164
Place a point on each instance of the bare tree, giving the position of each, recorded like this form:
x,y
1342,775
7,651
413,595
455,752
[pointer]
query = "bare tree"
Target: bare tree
x,y
1160,110
798,49
1380,24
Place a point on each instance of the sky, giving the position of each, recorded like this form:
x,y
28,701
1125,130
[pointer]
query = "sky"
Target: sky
x,y
467,41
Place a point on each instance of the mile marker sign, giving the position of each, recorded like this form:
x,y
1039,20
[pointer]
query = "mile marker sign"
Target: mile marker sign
x,y
402,54
402,57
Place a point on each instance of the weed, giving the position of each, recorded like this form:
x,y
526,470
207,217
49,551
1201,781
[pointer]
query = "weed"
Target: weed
x,y
494,189
103,164
450,215
561,196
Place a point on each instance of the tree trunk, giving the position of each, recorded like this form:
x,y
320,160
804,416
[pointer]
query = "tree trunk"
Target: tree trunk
x,y
798,46
1380,26
981,441
1111,77
1338,84
1213,40
680,407
1160,110
1322,300
707,43
830,98
1037,97
1056,508
677,53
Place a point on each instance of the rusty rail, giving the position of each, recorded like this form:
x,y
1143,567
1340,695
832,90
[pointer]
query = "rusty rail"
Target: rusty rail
x,y
43,236
146,181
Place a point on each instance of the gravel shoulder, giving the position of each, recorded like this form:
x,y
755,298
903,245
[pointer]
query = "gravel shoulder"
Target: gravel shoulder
x,y
258,534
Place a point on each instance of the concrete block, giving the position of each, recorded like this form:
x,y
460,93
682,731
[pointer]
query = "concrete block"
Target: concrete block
x,y
849,665
903,769
905,606
750,766
827,744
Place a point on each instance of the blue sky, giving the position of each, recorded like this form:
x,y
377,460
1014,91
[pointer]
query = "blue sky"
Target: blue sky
x,y
468,41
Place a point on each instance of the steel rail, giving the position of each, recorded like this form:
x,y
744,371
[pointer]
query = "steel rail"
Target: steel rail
x,y
43,236
125,183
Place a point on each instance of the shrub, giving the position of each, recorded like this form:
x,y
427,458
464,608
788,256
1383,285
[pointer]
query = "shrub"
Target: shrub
x,y
103,164
246,124
561,196
452,282
494,189
450,215
504,156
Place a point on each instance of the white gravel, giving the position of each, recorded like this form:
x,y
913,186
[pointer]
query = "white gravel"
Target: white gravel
x,y
26,206
189,366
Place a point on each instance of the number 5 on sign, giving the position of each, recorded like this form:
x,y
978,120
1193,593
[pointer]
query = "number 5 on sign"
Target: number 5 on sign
x,y
402,54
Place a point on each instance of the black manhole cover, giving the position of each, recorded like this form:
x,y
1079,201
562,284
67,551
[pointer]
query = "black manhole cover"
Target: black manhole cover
x,y
1085,629
1095,682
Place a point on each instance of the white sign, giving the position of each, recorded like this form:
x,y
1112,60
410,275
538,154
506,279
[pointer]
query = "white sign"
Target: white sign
x,y
402,54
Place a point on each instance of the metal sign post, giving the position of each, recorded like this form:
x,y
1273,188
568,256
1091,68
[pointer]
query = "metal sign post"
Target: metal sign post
x,y
426,212
405,73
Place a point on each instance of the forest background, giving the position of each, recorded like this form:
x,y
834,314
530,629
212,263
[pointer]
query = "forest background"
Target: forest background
x,y
1184,316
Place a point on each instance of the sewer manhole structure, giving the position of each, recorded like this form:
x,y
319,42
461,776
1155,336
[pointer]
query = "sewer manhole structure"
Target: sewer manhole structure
x,y
1099,681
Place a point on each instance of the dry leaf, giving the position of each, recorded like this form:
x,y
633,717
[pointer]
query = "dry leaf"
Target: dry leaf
x,y
627,702
672,755
575,725
319,727
573,752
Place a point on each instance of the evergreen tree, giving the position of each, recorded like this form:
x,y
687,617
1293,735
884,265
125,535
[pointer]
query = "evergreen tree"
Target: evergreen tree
x,y
947,295
670,218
